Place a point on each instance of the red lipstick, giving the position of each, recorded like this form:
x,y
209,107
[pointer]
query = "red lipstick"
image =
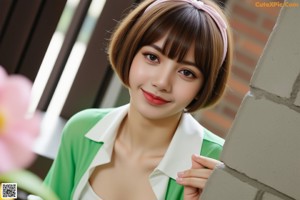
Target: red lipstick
x,y
153,99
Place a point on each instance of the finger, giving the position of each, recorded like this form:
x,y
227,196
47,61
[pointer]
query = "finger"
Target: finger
x,y
205,161
192,182
191,193
198,173
196,164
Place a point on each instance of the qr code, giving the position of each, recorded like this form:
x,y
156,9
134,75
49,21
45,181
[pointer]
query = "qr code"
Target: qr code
x,y
9,190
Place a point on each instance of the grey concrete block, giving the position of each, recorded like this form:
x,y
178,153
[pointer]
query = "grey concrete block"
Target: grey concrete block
x,y
264,143
297,101
222,185
268,196
277,69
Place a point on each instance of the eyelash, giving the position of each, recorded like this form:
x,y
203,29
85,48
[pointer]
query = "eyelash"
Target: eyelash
x,y
147,55
191,74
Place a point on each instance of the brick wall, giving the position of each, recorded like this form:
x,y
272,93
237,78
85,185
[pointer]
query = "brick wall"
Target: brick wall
x,y
252,25
262,150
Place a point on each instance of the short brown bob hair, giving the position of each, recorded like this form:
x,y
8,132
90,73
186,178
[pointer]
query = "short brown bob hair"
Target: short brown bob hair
x,y
184,25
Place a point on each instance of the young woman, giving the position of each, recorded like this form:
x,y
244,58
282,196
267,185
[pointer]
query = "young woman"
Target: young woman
x,y
174,57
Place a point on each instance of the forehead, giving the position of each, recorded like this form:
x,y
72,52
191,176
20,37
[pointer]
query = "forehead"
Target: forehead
x,y
160,45
173,43
180,31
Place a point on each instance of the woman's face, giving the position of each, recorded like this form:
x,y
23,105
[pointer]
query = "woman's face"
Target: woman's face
x,y
161,87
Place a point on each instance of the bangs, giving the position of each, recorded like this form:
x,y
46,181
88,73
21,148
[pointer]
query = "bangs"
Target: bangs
x,y
184,27
181,34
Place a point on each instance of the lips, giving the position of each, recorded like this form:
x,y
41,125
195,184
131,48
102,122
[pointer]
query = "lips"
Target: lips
x,y
153,99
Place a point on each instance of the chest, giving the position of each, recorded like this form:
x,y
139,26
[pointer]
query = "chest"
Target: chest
x,y
110,182
124,178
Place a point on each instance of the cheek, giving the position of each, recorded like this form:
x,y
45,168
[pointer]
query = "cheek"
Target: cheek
x,y
188,92
197,87
137,73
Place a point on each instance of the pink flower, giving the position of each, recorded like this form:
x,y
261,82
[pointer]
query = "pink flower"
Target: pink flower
x,y
17,131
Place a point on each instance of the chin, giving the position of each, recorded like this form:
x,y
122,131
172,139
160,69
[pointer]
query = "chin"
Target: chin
x,y
157,113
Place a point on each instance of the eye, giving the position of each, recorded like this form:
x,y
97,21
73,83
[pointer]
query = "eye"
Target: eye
x,y
187,73
151,57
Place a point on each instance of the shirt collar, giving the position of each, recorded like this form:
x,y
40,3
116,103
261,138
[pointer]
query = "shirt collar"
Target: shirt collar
x,y
106,129
186,141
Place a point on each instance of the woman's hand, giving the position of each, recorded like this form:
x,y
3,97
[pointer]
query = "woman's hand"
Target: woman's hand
x,y
194,179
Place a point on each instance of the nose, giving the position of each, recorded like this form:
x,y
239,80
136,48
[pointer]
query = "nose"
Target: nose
x,y
163,79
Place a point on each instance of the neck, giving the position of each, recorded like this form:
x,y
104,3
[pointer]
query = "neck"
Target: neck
x,y
145,135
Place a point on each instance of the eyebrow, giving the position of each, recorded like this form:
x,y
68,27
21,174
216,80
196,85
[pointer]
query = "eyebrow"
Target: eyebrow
x,y
183,62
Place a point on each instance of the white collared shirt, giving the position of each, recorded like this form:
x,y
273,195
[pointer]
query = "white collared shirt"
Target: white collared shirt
x,y
186,141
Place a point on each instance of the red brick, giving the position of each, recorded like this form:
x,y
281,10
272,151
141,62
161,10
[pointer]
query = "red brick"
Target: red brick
x,y
233,99
245,13
236,37
238,86
229,112
268,24
218,119
242,74
245,59
252,47
213,127
270,11
248,30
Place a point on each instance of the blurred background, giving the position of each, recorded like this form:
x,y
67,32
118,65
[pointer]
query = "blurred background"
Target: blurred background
x,y
60,45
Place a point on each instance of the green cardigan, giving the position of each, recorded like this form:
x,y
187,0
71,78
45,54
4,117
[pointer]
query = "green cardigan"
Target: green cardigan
x,y
76,153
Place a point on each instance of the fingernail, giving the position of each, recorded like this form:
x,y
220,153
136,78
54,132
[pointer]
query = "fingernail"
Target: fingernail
x,y
197,156
178,180
180,174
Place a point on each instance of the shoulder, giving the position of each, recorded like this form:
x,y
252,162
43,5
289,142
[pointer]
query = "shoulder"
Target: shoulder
x,y
212,145
83,121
